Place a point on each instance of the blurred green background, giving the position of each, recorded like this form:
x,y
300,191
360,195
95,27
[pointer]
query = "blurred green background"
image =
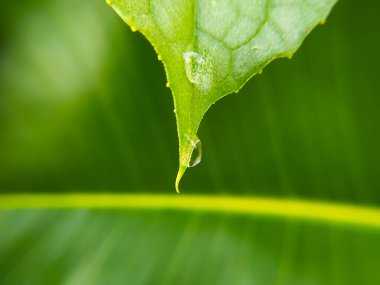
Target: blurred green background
x,y
84,108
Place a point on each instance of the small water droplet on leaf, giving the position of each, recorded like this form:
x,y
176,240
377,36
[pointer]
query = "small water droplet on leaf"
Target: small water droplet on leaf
x,y
196,154
198,67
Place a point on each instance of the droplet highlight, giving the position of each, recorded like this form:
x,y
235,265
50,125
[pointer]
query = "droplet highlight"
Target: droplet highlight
x,y
199,69
196,153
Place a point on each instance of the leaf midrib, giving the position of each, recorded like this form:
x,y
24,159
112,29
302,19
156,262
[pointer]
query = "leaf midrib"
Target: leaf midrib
x,y
326,212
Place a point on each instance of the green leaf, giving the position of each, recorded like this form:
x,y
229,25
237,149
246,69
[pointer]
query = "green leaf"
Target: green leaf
x,y
103,246
211,48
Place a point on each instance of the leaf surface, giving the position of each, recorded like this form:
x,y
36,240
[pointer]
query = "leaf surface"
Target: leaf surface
x,y
211,48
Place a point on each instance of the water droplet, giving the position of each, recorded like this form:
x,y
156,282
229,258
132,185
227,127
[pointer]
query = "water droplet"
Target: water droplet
x,y
198,69
159,57
109,2
196,153
322,21
133,28
167,84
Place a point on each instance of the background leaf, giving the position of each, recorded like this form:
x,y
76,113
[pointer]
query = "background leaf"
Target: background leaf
x,y
84,108
211,48
163,247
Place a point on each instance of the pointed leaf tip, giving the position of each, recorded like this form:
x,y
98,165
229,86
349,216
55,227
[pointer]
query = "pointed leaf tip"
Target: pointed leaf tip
x,y
180,173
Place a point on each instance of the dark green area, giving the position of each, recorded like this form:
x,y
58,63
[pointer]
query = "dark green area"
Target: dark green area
x,y
83,107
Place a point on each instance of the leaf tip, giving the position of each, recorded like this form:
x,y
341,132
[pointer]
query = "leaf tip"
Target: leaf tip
x,y
180,173
177,181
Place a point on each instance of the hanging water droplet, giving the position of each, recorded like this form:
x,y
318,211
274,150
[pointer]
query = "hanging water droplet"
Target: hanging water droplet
x,y
159,57
133,29
196,153
198,69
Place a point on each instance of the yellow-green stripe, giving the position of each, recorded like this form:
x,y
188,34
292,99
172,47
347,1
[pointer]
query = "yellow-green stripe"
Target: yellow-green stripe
x,y
285,208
